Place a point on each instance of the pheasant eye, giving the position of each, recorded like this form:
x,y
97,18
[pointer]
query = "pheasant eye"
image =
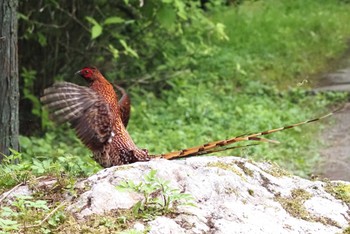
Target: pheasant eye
x,y
86,71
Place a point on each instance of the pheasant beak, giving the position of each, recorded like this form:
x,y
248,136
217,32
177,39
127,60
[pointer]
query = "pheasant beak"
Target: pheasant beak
x,y
78,73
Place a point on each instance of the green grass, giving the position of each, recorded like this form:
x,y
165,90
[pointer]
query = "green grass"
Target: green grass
x,y
284,41
254,81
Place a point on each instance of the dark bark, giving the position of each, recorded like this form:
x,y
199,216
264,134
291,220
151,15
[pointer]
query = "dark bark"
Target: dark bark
x,y
9,95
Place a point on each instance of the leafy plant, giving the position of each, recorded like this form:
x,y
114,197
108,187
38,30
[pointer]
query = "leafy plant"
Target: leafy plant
x,y
53,153
25,213
7,224
159,197
124,37
14,173
46,156
188,83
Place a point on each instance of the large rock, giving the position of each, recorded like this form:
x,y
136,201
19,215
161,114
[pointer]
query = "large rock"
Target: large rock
x,y
231,195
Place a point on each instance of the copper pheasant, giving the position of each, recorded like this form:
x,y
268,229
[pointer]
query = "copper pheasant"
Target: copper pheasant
x,y
95,115
100,121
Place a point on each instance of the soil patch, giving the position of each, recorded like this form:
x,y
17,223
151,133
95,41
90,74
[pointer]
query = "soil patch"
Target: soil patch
x,y
335,157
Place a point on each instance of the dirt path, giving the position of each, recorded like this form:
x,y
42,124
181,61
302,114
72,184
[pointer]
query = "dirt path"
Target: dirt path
x,y
335,156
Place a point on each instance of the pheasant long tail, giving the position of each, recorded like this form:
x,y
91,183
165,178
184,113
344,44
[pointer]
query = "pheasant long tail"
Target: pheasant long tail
x,y
222,145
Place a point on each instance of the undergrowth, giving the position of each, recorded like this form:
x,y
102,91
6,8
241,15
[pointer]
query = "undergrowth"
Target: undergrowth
x,y
27,214
42,213
159,197
259,79
256,80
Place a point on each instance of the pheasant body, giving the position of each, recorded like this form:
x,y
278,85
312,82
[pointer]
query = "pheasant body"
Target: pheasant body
x,y
96,117
100,121
124,105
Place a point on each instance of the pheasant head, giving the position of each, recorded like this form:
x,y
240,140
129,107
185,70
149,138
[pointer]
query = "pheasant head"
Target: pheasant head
x,y
90,74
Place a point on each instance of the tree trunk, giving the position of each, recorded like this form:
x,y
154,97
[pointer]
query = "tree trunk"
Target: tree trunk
x,y
9,95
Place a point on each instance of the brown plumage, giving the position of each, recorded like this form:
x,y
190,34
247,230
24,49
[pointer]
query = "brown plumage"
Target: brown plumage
x,y
95,115
124,104
100,121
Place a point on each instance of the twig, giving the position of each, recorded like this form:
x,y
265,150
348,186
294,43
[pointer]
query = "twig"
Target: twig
x,y
72,16
46,218
11,191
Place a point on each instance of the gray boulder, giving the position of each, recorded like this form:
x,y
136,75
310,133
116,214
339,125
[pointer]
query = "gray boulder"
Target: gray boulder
x,y
231,195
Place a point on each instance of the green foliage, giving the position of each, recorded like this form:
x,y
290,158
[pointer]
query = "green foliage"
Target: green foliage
x,y
25,213
159,197
194,76
29,78
134,38
13,173
58,151
183,26
282,41
259,79
141,44
7,224
184,120
47,155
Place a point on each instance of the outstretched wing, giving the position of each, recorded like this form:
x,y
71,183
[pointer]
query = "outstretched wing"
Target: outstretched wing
x,y
83,109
